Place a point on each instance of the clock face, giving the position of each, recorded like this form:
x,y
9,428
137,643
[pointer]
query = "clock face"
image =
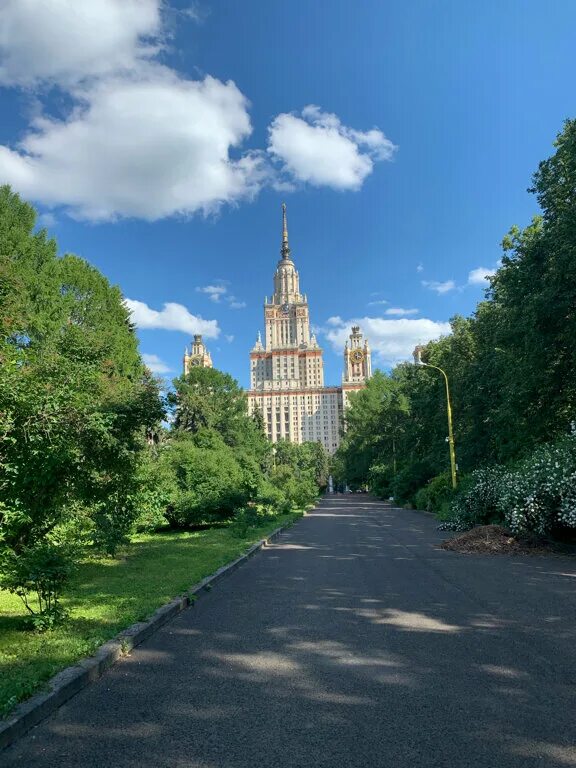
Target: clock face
x,y
196,361
285,308
357,356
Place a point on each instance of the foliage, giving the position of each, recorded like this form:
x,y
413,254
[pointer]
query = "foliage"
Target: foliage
x,y
536,495
511,366
435,494
105,596
409,479
209,481
38,575
75,403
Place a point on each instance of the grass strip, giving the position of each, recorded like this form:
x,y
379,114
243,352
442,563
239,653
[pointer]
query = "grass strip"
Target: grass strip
x,y
108,595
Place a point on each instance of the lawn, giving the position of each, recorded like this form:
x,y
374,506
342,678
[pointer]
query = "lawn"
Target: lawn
x,y
107,595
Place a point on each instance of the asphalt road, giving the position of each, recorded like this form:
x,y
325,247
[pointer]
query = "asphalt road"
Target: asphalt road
x,y
353,641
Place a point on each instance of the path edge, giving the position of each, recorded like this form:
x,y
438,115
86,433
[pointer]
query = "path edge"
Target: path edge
x,y
71,680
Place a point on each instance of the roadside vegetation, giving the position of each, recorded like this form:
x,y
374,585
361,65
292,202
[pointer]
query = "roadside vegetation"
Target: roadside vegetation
x,y
106,595
512,371
105,510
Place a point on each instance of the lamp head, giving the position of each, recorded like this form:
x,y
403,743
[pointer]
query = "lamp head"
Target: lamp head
x,y
417,354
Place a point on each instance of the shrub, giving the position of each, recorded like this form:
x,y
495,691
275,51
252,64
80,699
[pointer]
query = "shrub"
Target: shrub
x,y
38,575
298,487
380,480
481,502
435,493
407,482
538,495
209,484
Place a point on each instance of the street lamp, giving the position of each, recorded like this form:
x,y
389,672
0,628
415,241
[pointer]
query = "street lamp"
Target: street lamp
x,y
418,361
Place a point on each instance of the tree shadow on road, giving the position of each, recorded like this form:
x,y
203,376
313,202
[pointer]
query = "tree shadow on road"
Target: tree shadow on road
x,y
367,647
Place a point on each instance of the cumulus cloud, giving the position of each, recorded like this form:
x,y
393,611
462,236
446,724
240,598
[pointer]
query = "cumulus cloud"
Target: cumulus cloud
x,y
318,149
139,140
155,364
219,291
172,317
65,41
480,275
215,292
440,288
400,312
146,148
392,341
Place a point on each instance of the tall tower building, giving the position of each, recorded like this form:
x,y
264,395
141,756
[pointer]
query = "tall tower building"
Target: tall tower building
x,y
198,356
357,363
287,369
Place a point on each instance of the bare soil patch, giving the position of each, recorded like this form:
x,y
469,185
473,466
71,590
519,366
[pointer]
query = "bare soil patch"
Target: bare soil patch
x,y
496,540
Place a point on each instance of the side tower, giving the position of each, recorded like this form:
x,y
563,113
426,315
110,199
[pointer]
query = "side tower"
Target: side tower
x,y
357,364
198,357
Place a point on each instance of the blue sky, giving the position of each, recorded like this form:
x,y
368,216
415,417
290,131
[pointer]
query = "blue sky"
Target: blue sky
x,y
159,141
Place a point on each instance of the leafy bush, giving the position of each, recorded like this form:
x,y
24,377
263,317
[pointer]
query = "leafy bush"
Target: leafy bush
x,y
435,493
298,487
409,480
209,483
156,489
481,502
38,575
540,496
537,495
380,480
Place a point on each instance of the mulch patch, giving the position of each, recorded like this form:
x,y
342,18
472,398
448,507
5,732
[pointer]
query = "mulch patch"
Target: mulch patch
x,y
495,540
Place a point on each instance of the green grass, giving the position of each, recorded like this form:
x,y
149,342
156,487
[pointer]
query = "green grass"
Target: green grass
x,y
106,596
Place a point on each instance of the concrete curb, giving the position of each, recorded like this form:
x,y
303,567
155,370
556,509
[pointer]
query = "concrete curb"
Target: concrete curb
x,y
71,680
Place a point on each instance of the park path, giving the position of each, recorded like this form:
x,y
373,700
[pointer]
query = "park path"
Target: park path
x,y
354,641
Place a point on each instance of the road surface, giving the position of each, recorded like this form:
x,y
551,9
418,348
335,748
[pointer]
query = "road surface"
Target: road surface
x,y
353,641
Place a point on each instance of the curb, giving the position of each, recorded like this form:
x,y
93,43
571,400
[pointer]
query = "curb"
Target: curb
x,y
71,680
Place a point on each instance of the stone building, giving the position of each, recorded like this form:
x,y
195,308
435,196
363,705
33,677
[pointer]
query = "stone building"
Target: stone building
x,y
198,356
287,370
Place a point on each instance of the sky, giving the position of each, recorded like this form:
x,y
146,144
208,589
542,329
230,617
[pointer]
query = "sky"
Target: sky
x,y
158,140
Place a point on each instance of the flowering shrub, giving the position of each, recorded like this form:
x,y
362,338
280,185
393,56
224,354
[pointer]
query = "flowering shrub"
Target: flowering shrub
x,y
538,495
480,504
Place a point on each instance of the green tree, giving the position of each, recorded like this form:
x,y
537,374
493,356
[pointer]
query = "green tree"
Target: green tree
x,y
75,398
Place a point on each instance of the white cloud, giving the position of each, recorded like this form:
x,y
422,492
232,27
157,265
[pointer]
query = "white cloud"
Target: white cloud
x,y
219,291
172,317
155,364
318,149
420,267
139,140
399,312
47,220
229,338
391,340
440,288
147,148
377,302
479,276
65,41
215,292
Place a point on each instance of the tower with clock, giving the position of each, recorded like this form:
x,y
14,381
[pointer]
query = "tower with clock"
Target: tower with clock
x,y
198,357
287,369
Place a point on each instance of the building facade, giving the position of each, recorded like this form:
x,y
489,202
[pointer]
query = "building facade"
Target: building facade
x,y
287,369
198,355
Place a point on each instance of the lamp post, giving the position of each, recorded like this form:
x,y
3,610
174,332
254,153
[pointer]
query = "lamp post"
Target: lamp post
x,y
418,361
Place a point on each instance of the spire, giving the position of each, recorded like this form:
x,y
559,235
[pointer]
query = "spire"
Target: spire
x,y
285,247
